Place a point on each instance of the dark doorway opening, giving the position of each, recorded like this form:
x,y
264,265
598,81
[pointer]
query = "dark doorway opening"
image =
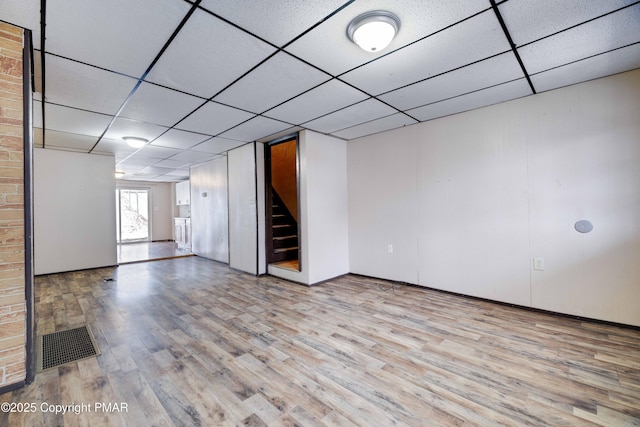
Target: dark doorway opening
x,y
283,207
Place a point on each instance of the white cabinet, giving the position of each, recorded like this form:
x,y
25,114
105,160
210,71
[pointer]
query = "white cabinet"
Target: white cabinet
x,y
182,227
183,193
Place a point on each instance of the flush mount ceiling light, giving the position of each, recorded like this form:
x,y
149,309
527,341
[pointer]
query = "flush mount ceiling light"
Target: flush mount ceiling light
x,y
135,142
119,174
374,30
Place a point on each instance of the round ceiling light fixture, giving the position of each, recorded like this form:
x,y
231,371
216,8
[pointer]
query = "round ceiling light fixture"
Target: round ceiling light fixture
x,y
374,30
135,141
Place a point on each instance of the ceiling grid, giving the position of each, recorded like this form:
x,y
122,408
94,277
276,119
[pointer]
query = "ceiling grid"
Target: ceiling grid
x,y
198,78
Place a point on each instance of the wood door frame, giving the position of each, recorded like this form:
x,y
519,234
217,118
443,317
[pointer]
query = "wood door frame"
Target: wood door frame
x,y
269,199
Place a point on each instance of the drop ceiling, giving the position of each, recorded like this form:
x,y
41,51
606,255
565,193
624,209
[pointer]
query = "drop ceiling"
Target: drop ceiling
x,y
198,78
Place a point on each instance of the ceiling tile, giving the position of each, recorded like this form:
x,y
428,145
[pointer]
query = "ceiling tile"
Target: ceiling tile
x,y
124,42
364,111
25,14
37,114
482,98
441,52
603,34
319,101
256,128
217,145
213,118
173,164
275,81
184,172
112,146
155,170
492,71
136,162
206,47
159,105
328,47
393,121
529,20
76,121
157,152
124,127
175,138
77,85
606,64
68,141
275,21
193,156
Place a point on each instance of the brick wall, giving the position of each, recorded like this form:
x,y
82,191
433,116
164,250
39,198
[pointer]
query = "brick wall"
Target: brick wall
x,y
12,247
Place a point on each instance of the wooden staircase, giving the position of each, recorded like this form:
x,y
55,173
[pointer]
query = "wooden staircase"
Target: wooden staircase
x,y
284,231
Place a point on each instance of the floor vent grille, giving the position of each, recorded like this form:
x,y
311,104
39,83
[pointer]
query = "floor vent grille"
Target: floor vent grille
x,y
60,348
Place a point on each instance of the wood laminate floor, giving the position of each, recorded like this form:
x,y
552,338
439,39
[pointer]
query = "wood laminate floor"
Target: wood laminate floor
x,y
191,342
149,251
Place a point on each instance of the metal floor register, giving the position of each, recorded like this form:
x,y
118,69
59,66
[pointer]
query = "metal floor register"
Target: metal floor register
x,y
59,348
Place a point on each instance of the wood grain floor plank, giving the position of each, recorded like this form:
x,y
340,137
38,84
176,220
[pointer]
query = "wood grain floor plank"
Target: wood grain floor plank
x,y
192,342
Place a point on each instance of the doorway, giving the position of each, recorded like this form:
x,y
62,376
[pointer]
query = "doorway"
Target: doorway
x,y
282,198
132,215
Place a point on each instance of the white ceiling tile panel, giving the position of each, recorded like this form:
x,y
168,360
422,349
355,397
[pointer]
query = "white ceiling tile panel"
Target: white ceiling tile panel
x,y
159,105
136,162
25,14
256,128
321,100
418,19
490,72
207,55
275,21
482,98
213,118
217,145
156,152
172,164
75,121
37,114
124,127
120,35
376,126
362,112
118,147
603,34
614,62
441,52
68,141
155,170
81,86
179,172
192,156
183,140
529,20
278,79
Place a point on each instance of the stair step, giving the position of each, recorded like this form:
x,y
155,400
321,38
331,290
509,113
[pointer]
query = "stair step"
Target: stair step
x,y
281,225
293,236
278,251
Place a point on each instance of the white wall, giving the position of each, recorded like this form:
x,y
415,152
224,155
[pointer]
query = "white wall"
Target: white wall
x,y
74,211
209,210
468,200
162,202
323,210
243,219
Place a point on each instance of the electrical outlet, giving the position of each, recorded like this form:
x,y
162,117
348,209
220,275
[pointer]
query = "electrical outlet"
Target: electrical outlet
x,y
390,249
538,264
